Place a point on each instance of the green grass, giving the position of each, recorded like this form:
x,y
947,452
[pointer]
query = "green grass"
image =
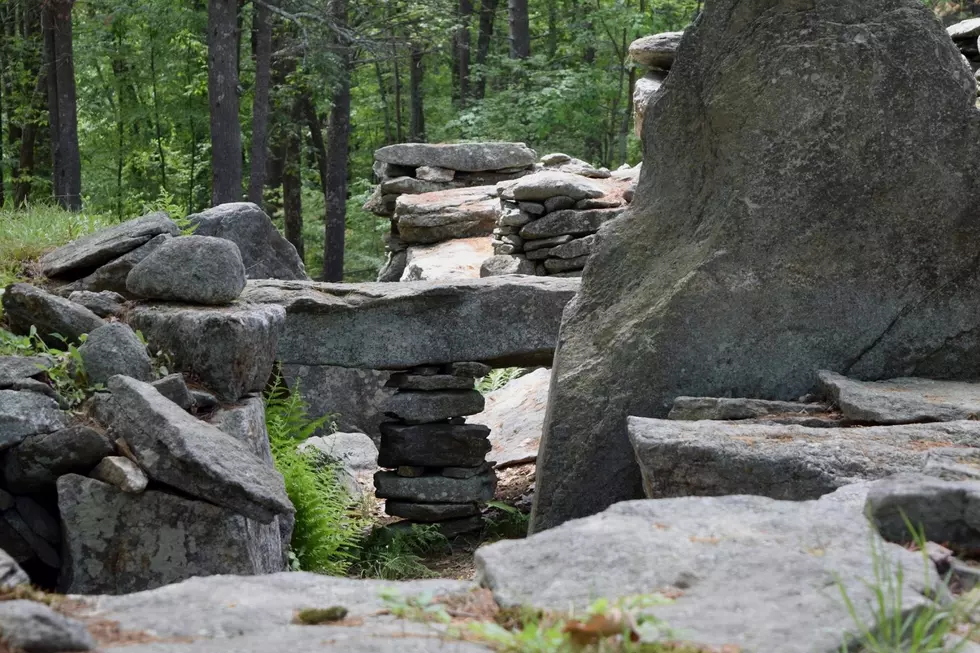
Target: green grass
x,y
27,234
396,554
328,530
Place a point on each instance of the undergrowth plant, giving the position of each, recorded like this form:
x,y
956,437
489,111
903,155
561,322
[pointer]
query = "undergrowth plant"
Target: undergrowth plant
x,y
505,522
65,369
397,554
327,532
498,378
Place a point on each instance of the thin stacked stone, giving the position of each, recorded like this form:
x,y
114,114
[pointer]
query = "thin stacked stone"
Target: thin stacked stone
x,y
656,54
435,463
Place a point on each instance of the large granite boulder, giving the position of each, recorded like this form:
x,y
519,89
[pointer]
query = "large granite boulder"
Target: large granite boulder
x,y
114,349
23,414
762,241
25,306
82,256
515,415
265,253
465,157
751,573
459,258
193,269
117,542
229,349
499,320
112,276
433,217
901,401
37,462
183,452
656,51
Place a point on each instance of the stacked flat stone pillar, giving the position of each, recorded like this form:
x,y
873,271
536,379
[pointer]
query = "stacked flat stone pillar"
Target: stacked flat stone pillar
x,y
435,463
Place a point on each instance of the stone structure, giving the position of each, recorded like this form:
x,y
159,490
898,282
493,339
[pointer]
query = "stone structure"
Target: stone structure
x,y
965,35
761,242
656,54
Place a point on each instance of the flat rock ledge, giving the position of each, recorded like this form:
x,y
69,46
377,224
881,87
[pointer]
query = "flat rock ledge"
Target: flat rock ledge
x,y
712,458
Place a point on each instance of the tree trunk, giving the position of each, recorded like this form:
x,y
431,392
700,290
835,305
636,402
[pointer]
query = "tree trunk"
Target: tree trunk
x,y
520,29
398,94
488,13
292,188
226,137
156,112
50,63
316,140
28,141
416,125
338,140
383,94
67,158
462,39
259,162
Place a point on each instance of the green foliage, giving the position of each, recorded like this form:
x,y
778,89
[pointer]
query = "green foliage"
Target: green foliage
x,y
896,629
396,553
504,522
318,616
327,531
498,378
66,373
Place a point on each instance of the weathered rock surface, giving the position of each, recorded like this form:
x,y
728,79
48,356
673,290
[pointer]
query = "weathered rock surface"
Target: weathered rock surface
x,y
515,415
900,401
121,472
114,349
357,397
23,414
11,575
117,542
104,304
25,305
112,276
430,512
231,350
965,30
174,388
505,264
434,445
466,157
542,186
945,511
718,408
435,488
643,91
716,556
752,222
440,215
459,258
421,407
16,368
712,458
502,320
355,451
89,252
430,382
194,269
657,51
38,461
33,627
264,251
245,421
568,222
192,456
38,519
235,614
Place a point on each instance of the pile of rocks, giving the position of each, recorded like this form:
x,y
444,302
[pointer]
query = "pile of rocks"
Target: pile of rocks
x,y
965,35
439,472
656,54
549,219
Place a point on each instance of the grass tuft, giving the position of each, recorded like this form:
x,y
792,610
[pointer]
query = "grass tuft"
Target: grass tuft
x,y
396,554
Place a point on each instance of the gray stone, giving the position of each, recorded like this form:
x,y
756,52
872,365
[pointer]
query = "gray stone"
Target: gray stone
x,y
546,243
710,458
432,217
506,264
505,321
13,544
86,254
435,488
737,268
394,267
404,381
553,265
965,30
538,254
203,400
568,222
465,472
174,388
944,511
25,305
104,304
467,157
430,512
698,408
245,422
114,349
643,91
599,203
558,203
117,542
33,385
410,186
11,575
122,473
515,416
230,350
38,461
410,471
657,51
555,159
532,208
899,401
175,448
194,269
265,253
569,274
421,407
23,414
584,169
38,519
433,445
459,258
211,612
514,218
354,398
716,558
433,173
503,249
17,368
575,248
355,451
471,369
112,276
542,186
33,627
38,546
